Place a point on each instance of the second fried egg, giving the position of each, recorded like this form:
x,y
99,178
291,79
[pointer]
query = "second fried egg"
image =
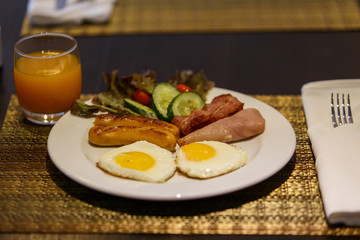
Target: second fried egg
x,y
208,159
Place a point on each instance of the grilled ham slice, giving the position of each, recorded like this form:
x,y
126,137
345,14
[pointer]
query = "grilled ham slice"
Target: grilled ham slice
x,y
242,125
223,106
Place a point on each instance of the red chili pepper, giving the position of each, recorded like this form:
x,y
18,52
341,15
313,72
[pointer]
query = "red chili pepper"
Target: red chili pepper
x,y
183,88
142,97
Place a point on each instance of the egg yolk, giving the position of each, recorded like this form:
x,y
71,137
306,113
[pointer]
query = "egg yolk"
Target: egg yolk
x,y
198,151
135,160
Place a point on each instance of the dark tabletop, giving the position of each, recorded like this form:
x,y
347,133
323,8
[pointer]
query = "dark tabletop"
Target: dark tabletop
x,y
252,63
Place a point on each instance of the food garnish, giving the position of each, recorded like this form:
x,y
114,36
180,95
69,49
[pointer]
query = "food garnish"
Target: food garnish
x,y
82,109
139,108
183,88
142,97
162,96
184,104
197,82
140,88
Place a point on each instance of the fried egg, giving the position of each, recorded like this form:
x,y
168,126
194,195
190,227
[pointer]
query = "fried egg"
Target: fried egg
x,y
141,160
208,159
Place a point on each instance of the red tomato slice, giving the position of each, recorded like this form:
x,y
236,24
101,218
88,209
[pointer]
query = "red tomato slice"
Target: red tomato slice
x,y
142,97
183,88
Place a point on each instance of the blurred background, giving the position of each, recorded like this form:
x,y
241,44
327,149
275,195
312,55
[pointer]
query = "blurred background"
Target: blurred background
x,y
271,46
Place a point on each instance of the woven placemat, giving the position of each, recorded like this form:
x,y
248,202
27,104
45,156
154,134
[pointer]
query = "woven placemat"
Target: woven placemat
x,y
216,16
36,197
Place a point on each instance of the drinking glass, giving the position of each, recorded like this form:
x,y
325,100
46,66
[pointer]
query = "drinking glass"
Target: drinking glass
x,y
47,74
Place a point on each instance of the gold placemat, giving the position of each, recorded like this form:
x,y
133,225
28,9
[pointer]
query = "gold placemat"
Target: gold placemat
x,y
36,197
216,16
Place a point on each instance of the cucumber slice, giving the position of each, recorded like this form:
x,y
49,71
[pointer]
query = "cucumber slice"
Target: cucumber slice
x,y
184,104
162,95
139,108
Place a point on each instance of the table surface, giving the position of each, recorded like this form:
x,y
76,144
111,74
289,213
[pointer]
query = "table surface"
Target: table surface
x,y
271,63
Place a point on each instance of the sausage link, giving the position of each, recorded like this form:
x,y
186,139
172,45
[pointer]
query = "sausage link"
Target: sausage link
x,y
123,135
130,120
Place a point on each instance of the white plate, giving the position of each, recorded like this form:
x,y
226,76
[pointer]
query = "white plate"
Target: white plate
x,y
268,153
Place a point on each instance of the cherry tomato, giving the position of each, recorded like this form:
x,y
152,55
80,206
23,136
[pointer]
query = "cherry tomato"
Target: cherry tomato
x,y
183,88
142,97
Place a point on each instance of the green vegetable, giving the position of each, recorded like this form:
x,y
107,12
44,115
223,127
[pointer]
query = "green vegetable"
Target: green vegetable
x,y
145,81
107,99
163,94
116,104
82,109
197,82
139,108
127,85
107,103
184,103
119,88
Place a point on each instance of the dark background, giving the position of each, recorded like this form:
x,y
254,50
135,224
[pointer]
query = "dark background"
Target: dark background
x,y
252,63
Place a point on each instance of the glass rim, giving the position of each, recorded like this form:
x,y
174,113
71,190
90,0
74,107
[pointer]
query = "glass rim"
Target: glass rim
x,y
44,34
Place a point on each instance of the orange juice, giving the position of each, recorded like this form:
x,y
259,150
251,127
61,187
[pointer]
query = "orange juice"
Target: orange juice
x,y
47,85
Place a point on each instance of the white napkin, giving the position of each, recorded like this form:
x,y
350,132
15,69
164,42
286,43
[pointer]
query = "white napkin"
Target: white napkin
x,y
336,150
45,12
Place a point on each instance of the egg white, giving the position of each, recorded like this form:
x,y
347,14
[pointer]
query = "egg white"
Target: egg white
x,y
163,169
227,158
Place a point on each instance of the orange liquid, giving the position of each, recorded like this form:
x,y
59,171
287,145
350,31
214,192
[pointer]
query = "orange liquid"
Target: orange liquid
x,y
47,85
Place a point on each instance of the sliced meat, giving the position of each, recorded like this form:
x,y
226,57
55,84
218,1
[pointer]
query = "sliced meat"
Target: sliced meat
x,y
220,107
196,120
223,106
242,125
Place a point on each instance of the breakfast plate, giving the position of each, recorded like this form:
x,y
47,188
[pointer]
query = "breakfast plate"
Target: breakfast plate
x,y
267,154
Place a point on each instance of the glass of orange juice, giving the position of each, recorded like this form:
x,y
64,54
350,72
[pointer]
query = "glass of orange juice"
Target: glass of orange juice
x,y
47,74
